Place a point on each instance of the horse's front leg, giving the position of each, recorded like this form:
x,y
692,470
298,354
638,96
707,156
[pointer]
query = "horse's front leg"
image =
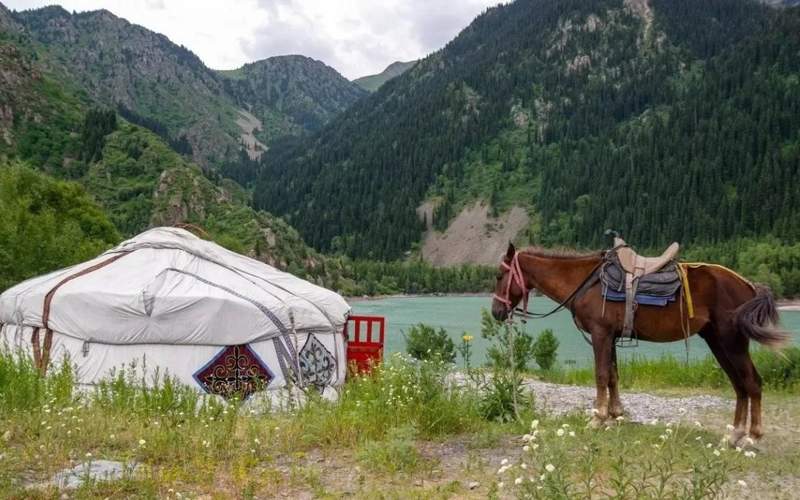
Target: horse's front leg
x,y
603,345
615,408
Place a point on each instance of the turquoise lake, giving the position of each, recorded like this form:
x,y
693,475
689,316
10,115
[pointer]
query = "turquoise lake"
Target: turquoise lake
x,y
463,314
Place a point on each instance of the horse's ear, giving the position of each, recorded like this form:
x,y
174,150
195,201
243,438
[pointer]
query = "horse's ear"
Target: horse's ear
x,y
511,251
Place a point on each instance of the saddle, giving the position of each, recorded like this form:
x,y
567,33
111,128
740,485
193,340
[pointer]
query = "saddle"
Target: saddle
x,y
646,280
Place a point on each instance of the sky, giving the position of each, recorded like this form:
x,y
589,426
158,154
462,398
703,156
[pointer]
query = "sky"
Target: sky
x,y
356,37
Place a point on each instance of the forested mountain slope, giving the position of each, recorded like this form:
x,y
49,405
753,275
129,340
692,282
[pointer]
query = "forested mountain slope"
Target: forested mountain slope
x,y
167,88
664,119
290,94
374,82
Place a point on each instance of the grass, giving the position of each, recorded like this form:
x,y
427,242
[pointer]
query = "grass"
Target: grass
x,y
405,431
779,371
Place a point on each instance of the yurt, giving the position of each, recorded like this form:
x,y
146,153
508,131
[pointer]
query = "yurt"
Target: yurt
x,y
168,302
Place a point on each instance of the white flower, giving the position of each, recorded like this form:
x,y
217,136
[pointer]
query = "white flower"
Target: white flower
x,y
738,449
535,445
88,455
654,421
572,434
697,424
256,441
112,436
708,445
729,427
620,418
518,480
564,426
534,424
549,467
526,448
716,453
504,461
750,454
500,485
523,465
142,442
560,432
742,483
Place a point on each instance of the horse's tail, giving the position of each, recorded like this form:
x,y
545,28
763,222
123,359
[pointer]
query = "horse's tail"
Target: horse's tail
x,y
758,319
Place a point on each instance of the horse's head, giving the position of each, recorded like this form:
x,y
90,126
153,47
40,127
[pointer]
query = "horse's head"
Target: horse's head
x,y
510,288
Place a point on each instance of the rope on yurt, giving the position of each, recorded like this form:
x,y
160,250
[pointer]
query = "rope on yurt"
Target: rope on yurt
x,y
42,357
37,349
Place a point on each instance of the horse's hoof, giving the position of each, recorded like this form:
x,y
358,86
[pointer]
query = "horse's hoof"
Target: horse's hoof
x,y
616,412
736,437
595,423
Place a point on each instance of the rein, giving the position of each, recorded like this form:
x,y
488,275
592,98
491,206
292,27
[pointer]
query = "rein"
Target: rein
x,y
517,277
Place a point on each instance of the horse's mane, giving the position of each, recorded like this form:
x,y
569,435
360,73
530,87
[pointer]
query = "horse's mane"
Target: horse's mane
x,y
561,253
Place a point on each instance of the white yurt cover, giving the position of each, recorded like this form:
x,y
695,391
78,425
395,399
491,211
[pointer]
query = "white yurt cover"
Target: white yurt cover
x,y
170,301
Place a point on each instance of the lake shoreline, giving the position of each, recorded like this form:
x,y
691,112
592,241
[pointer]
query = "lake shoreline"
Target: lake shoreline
x,y
783,304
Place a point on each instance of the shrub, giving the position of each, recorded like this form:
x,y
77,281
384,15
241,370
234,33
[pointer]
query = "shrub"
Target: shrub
x,y
501,335
425,342
545,349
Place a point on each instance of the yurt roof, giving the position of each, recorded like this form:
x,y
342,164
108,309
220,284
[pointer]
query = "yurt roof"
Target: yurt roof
x,y
166,285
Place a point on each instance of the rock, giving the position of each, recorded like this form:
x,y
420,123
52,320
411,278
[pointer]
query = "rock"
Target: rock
x,y
98,470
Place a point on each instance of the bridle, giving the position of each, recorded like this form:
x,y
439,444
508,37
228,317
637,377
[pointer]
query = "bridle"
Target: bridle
x,y
517,277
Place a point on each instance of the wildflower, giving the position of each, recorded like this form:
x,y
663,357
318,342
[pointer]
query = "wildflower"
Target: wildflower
x,y
697,424
698,438
535,445
523,465
716,453
750,454
738,449
518,480
620,418
708,445
742,483
526,448
504,461
549,467
142,442
467,338
534,424
560,432
112,436
572,434
526,437
88,455
564,426
654,421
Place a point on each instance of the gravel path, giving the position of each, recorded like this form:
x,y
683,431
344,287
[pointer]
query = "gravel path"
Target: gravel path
x,y
639,406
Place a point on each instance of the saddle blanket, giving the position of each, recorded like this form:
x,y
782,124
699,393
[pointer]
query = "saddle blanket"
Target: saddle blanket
x,y
641,299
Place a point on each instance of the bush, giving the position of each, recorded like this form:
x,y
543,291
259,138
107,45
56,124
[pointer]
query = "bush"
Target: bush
x,y
501,335
545,349
424,342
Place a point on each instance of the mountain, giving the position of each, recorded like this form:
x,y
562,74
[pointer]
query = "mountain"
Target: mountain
x,y
664,119
167,88
290,94
374,82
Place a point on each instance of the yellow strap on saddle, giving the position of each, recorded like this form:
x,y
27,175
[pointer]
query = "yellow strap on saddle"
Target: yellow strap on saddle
x,y
687,293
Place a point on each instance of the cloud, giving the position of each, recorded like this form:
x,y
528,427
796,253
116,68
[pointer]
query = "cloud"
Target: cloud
x,y
356,37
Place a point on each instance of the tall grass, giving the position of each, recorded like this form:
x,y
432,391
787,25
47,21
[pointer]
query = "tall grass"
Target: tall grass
x,y
779,371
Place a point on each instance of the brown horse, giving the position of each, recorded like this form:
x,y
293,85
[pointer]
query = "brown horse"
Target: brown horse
x,y
729,311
